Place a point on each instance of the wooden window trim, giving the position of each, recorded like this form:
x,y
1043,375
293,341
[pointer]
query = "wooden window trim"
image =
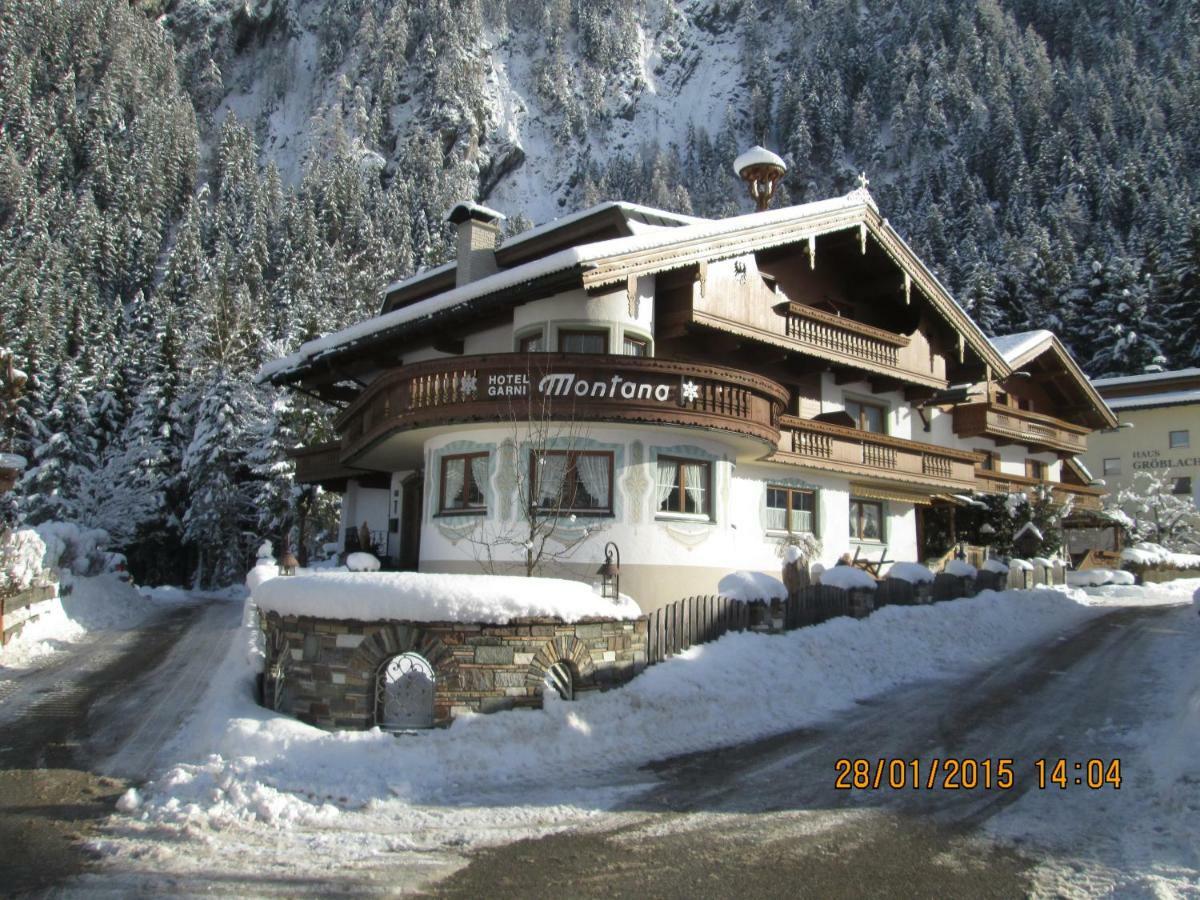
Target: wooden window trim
x,y
863,405
468,479
572,455
857,534
570,332
812,492
1035,468
680,461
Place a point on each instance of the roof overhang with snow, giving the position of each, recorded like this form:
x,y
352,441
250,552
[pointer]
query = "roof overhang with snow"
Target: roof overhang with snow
x,y
1021,350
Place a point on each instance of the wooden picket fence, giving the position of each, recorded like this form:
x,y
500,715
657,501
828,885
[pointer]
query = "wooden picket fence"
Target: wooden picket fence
x,y
693,620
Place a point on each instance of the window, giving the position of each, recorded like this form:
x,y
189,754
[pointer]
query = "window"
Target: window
x,y
1179,440
1112,465
684,486
867,416
988,463
574,481
635,346
1002,398
1035,469
464,478
532,343
582,341
866,520
791,510
1023,403
1182,484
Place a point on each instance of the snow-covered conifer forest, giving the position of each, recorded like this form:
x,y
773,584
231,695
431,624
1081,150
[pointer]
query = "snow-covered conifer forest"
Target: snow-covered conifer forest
x,y
190,188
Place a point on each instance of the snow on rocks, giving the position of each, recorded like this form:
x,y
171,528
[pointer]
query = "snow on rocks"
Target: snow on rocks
x,y
749,586
427,597
847,578
362,562
998,566
913,573
960,568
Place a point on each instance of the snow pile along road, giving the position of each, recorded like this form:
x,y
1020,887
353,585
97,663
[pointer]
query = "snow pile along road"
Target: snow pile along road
x,y
268,768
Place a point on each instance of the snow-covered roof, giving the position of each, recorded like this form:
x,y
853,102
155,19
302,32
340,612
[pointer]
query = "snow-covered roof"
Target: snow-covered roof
x,y
420,276
1170,398
1014,346
757,156
634,208
1146,377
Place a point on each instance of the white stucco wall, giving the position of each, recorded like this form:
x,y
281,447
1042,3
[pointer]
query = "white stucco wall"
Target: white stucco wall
x,y
361,504
575,309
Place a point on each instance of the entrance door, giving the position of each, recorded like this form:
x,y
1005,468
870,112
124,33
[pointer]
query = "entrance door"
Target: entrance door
x,y
406,693
410,522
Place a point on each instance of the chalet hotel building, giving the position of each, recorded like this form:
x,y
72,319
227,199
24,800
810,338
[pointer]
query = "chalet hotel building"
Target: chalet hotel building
x,y
700,392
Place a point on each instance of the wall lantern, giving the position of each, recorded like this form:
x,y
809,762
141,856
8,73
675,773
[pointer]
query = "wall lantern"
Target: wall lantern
x,y
287,563
610,573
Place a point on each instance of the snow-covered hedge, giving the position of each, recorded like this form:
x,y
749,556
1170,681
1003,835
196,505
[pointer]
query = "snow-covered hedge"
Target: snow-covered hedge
x,y
1098,577
1148,554
960,568
998,566
21,559
913,573
73,547
750,586
847,578
428,597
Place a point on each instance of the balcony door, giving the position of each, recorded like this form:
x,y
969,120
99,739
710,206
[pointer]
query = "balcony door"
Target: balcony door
x,y
411,515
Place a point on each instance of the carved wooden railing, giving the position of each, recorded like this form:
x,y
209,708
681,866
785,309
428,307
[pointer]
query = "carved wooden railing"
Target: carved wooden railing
x,y
1083,496
519,387
839,448
1020,426
839,335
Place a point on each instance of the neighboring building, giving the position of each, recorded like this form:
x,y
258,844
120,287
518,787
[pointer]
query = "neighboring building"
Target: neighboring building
x,y
1159,433
700,392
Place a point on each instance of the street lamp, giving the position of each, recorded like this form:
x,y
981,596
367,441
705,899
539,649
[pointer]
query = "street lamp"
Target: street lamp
x,y
610,573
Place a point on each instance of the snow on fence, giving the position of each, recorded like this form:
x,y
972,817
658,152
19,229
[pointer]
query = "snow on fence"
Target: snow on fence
x,y
697,620
19,609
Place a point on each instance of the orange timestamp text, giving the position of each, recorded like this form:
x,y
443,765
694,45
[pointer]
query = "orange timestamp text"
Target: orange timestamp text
x,y
969,774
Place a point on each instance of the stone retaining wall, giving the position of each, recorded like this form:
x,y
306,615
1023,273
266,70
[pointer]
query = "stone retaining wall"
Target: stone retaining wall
x,y
324,671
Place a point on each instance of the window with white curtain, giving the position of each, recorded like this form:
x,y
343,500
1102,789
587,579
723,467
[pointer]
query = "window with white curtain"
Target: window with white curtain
x,y
577,481
791,510
684,486
463,486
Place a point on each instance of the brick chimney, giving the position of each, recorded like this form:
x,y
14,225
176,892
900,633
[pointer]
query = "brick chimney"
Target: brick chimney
x,y
478,229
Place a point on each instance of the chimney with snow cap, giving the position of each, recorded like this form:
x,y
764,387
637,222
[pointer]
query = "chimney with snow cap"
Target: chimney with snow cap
x,y
478,229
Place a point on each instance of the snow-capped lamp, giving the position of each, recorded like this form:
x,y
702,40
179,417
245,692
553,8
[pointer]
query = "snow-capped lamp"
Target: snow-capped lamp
x,y
610,573
761,170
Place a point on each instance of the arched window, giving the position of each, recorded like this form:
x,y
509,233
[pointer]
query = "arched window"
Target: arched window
x,y
559,677
404,693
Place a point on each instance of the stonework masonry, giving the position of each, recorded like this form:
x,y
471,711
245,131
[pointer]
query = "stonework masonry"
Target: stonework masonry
x,y
330,668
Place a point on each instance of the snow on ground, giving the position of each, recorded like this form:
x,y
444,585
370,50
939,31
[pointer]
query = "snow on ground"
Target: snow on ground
x,y
427,597
91,604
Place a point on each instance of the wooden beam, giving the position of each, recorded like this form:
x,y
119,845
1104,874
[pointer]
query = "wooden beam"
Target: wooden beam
x,y
445,344
846,376
916,393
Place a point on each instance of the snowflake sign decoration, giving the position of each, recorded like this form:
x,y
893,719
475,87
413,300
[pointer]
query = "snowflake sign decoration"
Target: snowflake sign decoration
x,y
469,385
689,391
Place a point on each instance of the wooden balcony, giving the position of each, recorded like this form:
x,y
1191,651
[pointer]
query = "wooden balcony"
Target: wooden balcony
x,y
881,457
1006,425
1083,497
564,387
321,464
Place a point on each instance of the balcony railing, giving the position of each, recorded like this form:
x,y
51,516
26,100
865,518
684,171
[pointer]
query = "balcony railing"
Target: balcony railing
x,y
1018,426
1082,496
838,448
841,336
519,387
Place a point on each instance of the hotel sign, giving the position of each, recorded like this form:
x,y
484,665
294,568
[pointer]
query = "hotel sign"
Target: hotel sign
x,y
572,384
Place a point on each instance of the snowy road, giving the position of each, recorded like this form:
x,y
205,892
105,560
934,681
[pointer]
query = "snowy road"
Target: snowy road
x,y
75,728
760,818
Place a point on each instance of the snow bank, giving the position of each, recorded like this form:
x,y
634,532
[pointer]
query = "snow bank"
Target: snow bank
x,y
362,562
1149,554
1098,577
267,768
426,597
913,573
847,578
998,566
92,604
751,586
961,568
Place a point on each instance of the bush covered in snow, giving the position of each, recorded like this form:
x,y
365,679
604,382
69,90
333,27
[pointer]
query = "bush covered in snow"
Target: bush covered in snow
x,y
21,559
74,547
1150,555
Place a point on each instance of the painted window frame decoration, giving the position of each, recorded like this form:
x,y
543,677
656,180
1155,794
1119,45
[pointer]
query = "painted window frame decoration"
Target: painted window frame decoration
x,y
857,529
470,479
863,406
572,478
1182,442
679,486
566,333
789,510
